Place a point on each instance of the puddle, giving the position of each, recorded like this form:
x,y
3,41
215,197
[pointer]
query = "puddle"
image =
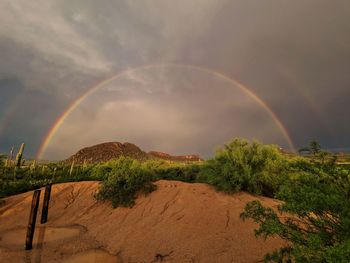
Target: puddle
x,y
92,256
16,238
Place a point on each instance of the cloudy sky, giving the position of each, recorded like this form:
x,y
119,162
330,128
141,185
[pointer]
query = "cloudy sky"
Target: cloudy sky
x,y
294,55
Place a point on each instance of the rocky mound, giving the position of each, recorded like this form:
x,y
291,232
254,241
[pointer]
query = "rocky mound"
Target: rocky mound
x,y
179,222
113,150
106,151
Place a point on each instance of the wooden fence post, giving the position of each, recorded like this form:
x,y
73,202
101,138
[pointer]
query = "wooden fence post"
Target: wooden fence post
x,y
45,209
32,220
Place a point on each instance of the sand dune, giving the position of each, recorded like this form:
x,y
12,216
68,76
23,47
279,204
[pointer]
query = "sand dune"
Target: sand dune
x,y
179,222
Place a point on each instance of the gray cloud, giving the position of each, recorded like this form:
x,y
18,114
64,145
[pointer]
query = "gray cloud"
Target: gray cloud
x,y
295,55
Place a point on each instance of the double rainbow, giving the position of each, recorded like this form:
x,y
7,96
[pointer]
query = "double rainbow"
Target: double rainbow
x,y
99,85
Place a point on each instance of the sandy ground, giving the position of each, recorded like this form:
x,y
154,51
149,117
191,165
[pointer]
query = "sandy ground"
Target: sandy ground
x,y
179,222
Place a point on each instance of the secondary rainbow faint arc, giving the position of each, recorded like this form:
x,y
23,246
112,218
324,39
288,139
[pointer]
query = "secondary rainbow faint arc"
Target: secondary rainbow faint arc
x,y
99,85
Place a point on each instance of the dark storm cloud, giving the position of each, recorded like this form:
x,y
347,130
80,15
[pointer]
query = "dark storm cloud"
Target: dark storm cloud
x,y
294,54
34,90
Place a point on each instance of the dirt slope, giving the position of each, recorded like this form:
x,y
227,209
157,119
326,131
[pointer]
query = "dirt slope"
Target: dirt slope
x,y
178,222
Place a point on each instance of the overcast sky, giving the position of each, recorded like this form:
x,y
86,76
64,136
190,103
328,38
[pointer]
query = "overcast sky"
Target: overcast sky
x,y
295,55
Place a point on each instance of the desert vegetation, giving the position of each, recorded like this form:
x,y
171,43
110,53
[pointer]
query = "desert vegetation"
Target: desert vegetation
x,y
313,217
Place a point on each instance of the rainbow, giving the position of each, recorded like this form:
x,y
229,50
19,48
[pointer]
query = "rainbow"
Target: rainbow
x,y
96,87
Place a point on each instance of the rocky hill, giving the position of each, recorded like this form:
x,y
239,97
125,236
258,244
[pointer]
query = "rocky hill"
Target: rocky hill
x,y
113,150
107,151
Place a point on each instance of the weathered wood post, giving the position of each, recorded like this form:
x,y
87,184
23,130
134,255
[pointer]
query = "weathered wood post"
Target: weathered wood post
x,y
32,220
45,209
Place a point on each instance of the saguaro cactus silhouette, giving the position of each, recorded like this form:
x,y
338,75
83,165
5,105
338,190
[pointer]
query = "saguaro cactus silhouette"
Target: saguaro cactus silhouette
x,y
71,169
33,165
19,156
10,157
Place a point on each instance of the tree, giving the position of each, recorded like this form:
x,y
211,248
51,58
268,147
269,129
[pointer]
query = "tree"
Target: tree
x,y
315,147
314,218
245,166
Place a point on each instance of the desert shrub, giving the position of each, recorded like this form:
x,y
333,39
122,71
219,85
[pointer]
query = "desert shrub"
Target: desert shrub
x,y
102,170
15,181
167,170
2,160
124,181
12,187
314,217
244,165
124,178
179,172
154,164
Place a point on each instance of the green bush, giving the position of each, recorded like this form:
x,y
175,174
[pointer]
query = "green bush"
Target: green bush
x,y
102,170
242,165
124,181
2,160
316,217
29,178
177,171
26,179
